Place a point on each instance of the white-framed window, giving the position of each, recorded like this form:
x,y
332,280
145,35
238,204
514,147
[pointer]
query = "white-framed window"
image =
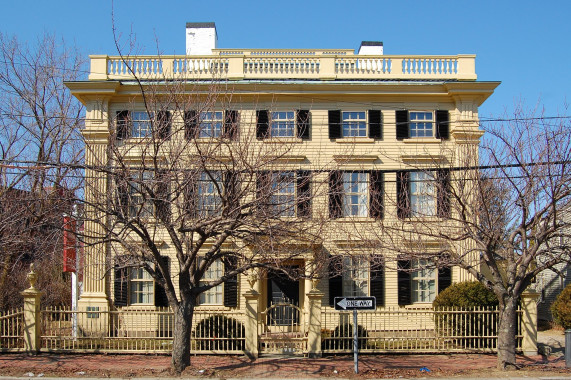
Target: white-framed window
x,y
421,124
215,295
209,198
141,287
355,276
282,124
139,205
354,124
282,199
211,123
423,281
355,194
422,193
141,124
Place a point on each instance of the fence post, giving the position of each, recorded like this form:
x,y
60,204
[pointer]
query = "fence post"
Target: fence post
x,y
314,329
529,322
251,328
32,314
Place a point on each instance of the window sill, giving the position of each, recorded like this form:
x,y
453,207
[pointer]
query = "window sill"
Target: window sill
x,y
423,219
422,140
355,140
210,140
355,219
282,140
140,306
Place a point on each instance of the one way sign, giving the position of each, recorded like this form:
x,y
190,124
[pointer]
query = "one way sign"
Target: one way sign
x,y
355,303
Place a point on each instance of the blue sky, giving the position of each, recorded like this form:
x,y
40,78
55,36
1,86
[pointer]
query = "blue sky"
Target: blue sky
x,y
524,44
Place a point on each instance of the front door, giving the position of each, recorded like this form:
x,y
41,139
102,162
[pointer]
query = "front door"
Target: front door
x,y
283,292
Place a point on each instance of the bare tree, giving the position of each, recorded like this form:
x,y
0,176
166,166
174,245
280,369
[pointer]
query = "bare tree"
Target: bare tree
x,y
190,186
497,214
40,147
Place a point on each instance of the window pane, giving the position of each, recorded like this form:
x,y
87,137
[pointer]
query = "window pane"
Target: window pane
x,y
423,281
282,124
356,195
141,124
421,124
213,296
355,276
354,124
211,124
422,193
141,286
209,197
139,204
282,199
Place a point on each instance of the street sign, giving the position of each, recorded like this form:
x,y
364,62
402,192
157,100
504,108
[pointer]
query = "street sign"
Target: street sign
x,y
355,303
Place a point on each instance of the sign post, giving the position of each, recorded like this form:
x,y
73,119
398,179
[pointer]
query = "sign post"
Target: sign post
x,y
355,303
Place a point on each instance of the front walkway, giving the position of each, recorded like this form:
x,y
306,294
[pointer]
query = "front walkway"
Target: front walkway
x,y
370,366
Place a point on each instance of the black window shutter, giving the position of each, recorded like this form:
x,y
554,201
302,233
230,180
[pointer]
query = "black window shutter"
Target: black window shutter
x,y
335,194
444,278
335,124
230,124
378,280
403,201
402,124
163,123
262,125
376,204
161,298
120,286
442,125
123,196
263,189
443,193
404,288
231,190
231,285
190,125
122,121
162,193
190,190
335,278
304,194
375,125
303,124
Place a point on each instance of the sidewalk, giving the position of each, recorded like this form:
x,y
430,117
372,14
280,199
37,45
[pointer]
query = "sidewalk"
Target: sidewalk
x,y
224,367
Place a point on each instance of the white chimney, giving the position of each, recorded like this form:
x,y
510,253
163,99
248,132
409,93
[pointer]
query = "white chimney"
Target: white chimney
x,y
371,48
200,38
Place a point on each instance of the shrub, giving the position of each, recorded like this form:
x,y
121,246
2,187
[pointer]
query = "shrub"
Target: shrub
x,y
469,295
561,308
219,332
342,338
465,294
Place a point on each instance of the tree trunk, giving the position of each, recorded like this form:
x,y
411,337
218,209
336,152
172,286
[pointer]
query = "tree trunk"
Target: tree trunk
x,y
181,335
506,335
